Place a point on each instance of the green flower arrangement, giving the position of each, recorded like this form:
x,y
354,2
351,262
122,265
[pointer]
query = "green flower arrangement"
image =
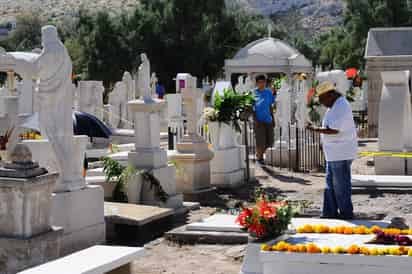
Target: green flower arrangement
x,y
230,108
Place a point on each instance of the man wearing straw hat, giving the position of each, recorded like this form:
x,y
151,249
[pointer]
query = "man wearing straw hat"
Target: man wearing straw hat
x,y
339,139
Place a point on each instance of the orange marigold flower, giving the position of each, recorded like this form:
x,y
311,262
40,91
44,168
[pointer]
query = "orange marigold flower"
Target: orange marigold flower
x,y
348,230
353,249
312,248
301,248
340,229
360,230
292,248
308,229
375,229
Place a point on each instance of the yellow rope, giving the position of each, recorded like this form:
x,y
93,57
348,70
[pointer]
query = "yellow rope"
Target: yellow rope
x,y
386,154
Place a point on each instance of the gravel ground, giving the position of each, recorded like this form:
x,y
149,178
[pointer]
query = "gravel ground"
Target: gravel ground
x,y
169,258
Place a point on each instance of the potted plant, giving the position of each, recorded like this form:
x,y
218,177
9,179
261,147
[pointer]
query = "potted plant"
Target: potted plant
x,y
225,115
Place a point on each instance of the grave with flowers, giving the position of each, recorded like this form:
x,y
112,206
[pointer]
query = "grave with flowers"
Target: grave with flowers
x,y
284,245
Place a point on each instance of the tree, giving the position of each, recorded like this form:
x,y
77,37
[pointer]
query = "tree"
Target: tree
x,y
27,34
345,46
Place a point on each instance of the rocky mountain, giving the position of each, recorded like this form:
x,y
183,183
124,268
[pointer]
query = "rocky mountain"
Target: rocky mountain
x,y
310,15
307,15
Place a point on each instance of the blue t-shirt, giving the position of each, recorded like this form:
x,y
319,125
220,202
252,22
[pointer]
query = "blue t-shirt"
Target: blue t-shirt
x,y
263,101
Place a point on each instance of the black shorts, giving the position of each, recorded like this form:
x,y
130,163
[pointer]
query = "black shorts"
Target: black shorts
x,y
265,135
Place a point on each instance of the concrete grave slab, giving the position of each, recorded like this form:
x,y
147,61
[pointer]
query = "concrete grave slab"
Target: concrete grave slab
x,y
381,181
226,223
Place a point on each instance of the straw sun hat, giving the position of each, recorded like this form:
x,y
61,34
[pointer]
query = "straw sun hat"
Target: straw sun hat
x,y
324,88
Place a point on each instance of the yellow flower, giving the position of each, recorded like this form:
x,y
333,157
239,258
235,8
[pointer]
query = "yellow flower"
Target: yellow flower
x,y
308,229
405,232
394,251
374,252
282,246
339,250
300,229
360,230
410,252
365,251
332,230
265,247
326,250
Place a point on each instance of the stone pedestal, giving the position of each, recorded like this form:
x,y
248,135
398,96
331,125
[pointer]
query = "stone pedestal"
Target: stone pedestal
x,y
81,214
228,163
26,236
43,153
192,156
149,156
80,230
228,168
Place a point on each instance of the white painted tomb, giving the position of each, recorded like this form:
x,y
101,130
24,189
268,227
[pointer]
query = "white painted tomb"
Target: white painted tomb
x,y
228,164
55,114
91,98
395,123
147,154
175,116
283,152
118,106
192,154
131,95
27,237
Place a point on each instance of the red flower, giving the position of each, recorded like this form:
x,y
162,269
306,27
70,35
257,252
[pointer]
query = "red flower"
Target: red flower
x,y
257,229
351,73
243,216
267,212
311,93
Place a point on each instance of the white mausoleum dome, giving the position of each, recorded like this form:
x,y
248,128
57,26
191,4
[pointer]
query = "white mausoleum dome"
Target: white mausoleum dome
x,y
268,47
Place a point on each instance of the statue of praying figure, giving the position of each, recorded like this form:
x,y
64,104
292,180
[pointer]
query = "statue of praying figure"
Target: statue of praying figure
x,y
144,79
55,94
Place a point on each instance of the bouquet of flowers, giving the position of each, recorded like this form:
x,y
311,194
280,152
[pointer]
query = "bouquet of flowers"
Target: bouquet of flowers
x,y
266,219
356,79
229,108
390,239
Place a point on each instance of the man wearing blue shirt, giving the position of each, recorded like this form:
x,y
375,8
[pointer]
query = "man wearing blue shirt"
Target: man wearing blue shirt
x,y
264,121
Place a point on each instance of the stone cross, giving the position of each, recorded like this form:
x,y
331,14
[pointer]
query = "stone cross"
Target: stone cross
x,y
191,97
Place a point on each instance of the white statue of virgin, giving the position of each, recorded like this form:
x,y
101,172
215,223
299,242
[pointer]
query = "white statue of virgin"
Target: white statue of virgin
x,y
144,79
55,92
283,109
